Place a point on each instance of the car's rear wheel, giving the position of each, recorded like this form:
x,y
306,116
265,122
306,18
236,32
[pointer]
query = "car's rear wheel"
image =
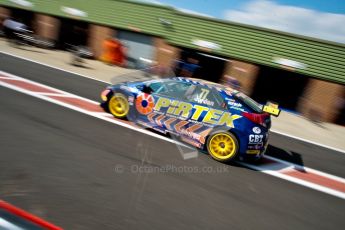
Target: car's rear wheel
x,y
222,146
118,105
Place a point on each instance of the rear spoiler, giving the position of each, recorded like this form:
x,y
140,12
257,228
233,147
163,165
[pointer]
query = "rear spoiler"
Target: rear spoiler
x,y
271,108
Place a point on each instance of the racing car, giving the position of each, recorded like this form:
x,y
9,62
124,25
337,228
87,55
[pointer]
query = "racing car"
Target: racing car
x,y
214,118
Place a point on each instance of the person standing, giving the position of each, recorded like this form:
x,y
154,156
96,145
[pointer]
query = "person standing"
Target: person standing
x,y
232,82
11,27
189,68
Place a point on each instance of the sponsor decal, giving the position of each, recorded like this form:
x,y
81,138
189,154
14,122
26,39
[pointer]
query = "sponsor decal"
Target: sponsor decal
x,y
194,143
190,134
237,108
130,99
229,92
204,101
202,98
256,130
184,110
253,151
271,108
256,138
234,104
144,103
255,146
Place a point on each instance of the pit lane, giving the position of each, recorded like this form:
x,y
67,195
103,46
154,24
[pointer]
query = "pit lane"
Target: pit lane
x,y
63,164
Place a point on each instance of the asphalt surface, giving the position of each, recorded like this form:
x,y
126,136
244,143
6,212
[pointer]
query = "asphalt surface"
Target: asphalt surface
x,y
80,172
283,147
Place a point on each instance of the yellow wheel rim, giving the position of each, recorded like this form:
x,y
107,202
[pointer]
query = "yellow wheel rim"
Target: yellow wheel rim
x,y
222,146
118,105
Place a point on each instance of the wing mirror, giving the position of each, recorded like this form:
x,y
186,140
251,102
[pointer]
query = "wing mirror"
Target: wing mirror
x,y
147,89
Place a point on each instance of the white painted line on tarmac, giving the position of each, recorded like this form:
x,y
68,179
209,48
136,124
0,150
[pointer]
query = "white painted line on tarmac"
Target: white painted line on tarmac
x,y
103,114
5,77
60,92
304,183
308,141
4,224
85,76
93,114
300,167
53,67
54,94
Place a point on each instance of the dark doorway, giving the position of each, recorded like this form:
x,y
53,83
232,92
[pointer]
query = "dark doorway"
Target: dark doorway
x,y
281,86
340,119
211,67
72,33
23,16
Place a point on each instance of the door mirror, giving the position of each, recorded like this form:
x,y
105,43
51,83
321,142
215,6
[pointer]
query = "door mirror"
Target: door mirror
x,y
147,89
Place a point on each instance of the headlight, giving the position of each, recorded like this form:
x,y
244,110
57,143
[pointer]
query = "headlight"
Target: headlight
x,y
104,94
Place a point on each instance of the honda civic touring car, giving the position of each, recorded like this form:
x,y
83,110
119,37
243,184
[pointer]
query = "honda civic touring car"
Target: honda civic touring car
x,y
222,121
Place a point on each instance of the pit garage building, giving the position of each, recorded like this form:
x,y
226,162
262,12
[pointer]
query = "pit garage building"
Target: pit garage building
x,y
304,75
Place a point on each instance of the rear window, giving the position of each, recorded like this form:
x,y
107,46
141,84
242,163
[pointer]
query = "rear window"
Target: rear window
x,y
256,107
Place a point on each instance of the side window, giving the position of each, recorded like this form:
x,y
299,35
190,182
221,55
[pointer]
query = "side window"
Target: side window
x,y
207,96
157,87
173,89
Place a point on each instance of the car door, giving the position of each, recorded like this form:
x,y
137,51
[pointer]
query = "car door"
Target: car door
x,y
165,96
209,106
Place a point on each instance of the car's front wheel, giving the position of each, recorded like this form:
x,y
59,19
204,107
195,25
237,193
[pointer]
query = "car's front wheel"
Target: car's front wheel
x,y
118,105
222,146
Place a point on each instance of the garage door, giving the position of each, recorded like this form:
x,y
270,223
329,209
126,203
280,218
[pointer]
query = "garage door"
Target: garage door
x,y
281,86
138,45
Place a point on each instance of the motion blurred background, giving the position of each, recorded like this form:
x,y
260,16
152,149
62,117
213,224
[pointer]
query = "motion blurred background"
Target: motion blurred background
x,y
77,171
302,72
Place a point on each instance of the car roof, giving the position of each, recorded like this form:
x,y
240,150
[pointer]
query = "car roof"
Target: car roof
x,y
212,85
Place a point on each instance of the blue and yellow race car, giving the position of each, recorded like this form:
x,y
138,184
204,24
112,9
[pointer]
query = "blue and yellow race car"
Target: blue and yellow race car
x,y
223,121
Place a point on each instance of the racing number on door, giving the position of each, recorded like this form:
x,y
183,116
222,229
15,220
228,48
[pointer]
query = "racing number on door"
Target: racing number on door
x,y
203,94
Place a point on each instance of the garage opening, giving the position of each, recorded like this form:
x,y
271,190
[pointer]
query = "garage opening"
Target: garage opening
x,y
139,48
24,16
209,67
281,86
340,119
72,33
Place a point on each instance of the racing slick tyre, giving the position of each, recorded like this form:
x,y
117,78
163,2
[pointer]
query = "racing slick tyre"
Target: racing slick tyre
x,y
118,105
222,146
